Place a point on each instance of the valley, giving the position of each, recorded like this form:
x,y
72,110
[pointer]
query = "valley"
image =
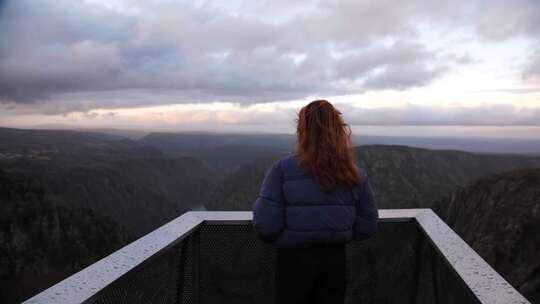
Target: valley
x,y
97,192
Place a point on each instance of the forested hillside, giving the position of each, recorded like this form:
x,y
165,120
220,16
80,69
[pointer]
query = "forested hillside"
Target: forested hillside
x,y
402,177
42,242
69,198
223,151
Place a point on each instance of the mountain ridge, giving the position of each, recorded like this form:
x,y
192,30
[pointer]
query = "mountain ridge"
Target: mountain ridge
x,y
402,177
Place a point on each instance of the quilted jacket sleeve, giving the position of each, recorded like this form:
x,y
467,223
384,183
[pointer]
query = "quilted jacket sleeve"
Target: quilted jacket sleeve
x,y
269,207
367,214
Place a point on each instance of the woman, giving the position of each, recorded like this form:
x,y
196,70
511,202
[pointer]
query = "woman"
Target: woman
x,y
311,204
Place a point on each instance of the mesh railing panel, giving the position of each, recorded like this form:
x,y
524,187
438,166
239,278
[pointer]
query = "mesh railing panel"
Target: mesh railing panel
x,y
382,269
227,263
235,267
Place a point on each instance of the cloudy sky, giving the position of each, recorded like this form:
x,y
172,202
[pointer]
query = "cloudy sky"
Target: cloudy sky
x,y
392,67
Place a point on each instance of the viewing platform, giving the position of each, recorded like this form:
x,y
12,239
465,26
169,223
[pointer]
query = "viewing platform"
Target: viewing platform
x,y
216,257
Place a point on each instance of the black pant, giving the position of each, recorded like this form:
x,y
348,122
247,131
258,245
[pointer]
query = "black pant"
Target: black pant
x,y
311,275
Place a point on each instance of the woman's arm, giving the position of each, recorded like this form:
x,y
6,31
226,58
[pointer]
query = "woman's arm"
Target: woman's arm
x,y
367,214
269,208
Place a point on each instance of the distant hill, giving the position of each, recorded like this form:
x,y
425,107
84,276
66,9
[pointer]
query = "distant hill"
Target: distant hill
x,y
133,134
488,145
66,146
406,177
224,151
130,134
402,177
499,216
491,145
64,140
238,190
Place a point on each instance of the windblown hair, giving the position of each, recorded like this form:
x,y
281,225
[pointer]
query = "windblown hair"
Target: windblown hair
x,y
323,147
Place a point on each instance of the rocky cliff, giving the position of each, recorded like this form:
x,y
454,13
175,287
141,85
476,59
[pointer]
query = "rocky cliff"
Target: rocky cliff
x,y
499,217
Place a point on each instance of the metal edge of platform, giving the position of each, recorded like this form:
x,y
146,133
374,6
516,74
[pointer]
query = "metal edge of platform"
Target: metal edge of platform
x,y
484,282
82,286
240,217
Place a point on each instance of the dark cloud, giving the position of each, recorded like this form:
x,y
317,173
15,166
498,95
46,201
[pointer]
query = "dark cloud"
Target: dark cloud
x,y
76,56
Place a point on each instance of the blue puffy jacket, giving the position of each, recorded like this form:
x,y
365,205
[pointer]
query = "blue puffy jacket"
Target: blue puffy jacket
x,y
291,210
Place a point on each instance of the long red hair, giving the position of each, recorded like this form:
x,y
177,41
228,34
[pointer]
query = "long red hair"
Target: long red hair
x,y
323,147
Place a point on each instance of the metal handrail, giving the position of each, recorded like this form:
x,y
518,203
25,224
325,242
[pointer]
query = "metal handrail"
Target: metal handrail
x,y
82,287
